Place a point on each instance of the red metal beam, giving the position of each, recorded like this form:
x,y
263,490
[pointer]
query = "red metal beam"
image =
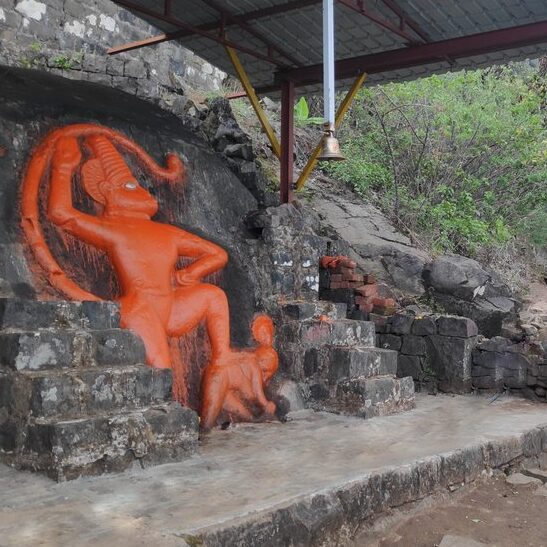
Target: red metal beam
x,y
214,25
277,9
287,141
243,19
230,17
359,7
185,26
406,20
423,54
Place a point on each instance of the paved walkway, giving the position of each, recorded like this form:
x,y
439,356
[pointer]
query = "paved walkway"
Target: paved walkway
x,y
246,471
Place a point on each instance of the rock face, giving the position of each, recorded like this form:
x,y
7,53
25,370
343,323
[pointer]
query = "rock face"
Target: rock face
x,y
228,139
463,287
375,243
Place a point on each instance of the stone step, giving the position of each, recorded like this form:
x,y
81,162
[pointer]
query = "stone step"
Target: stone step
x,y
335,363
16,313
370,397
295,310
76,392
65,450
337,332
66,348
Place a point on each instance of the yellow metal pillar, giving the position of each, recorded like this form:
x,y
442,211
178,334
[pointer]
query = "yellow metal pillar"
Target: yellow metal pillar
x,y
340,113
255,103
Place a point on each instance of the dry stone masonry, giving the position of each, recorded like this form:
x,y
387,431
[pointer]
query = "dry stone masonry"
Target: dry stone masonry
x,y
70,38
336,363
432,349
75,396
500,364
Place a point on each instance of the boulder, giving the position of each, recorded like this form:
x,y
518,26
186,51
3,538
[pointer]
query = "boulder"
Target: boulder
x,y
488,313
457,276
463,287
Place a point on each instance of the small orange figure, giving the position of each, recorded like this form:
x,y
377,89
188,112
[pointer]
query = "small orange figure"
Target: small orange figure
x,y
234,389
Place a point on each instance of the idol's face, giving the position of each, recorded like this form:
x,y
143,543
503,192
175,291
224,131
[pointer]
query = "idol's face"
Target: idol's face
x,y
129,197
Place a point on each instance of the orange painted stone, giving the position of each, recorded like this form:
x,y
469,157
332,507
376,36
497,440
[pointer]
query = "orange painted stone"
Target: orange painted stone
x,y
234,389
157,300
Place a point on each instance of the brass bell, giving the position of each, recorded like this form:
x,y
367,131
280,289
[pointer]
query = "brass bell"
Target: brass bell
x,y
330,150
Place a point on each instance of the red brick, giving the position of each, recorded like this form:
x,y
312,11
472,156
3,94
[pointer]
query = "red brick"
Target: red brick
x,y
369,279
390,303
347,271
364,300
336,278
366,307
340,285
348,263
353,277
367,290
354,284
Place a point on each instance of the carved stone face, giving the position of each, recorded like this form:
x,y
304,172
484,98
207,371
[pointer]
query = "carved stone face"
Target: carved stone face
x,y
129,196
109,181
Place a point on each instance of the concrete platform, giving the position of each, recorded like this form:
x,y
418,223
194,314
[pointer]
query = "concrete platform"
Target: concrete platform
x,y
307,482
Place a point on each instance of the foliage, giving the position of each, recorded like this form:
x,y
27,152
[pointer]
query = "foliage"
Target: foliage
x,y
458,161
66,62
302,114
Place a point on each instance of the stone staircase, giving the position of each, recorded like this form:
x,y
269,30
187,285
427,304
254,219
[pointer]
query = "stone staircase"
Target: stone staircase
x,y
75,396
336,364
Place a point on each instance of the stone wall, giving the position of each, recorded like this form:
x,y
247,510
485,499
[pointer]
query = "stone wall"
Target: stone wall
x,y
432,349
70,38
500,364
292,249
446,352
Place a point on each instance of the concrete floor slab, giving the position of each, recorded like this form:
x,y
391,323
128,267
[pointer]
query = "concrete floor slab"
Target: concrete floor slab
x,y
300,483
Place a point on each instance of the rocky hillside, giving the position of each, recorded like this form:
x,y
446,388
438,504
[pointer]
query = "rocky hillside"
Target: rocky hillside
x,y
449,283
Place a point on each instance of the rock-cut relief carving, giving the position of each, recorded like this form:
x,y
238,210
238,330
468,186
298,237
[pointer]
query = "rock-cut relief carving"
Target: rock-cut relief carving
x,y
157,300
234,390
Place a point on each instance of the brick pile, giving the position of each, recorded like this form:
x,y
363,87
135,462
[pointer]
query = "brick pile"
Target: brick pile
x,y
343,274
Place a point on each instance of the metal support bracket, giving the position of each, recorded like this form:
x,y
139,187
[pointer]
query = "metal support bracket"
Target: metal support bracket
x,y
255,103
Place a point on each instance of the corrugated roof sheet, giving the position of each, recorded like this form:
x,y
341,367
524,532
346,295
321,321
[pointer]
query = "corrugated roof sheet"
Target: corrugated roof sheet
x,y
299,32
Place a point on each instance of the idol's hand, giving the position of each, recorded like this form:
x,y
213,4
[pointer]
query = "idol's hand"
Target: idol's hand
x,y
185,279
67,153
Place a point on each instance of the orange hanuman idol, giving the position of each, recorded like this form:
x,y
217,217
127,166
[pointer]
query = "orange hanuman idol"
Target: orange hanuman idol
x,y
158,301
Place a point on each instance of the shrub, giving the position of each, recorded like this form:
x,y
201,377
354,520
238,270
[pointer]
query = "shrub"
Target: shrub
x,y
459,159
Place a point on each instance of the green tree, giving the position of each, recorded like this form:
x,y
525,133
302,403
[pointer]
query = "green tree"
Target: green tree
x,y
458,160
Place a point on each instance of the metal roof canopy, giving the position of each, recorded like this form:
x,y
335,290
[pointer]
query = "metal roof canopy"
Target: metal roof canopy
x,y
392,40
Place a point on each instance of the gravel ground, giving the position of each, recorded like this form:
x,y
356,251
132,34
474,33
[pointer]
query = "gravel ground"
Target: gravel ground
x,y
493,513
